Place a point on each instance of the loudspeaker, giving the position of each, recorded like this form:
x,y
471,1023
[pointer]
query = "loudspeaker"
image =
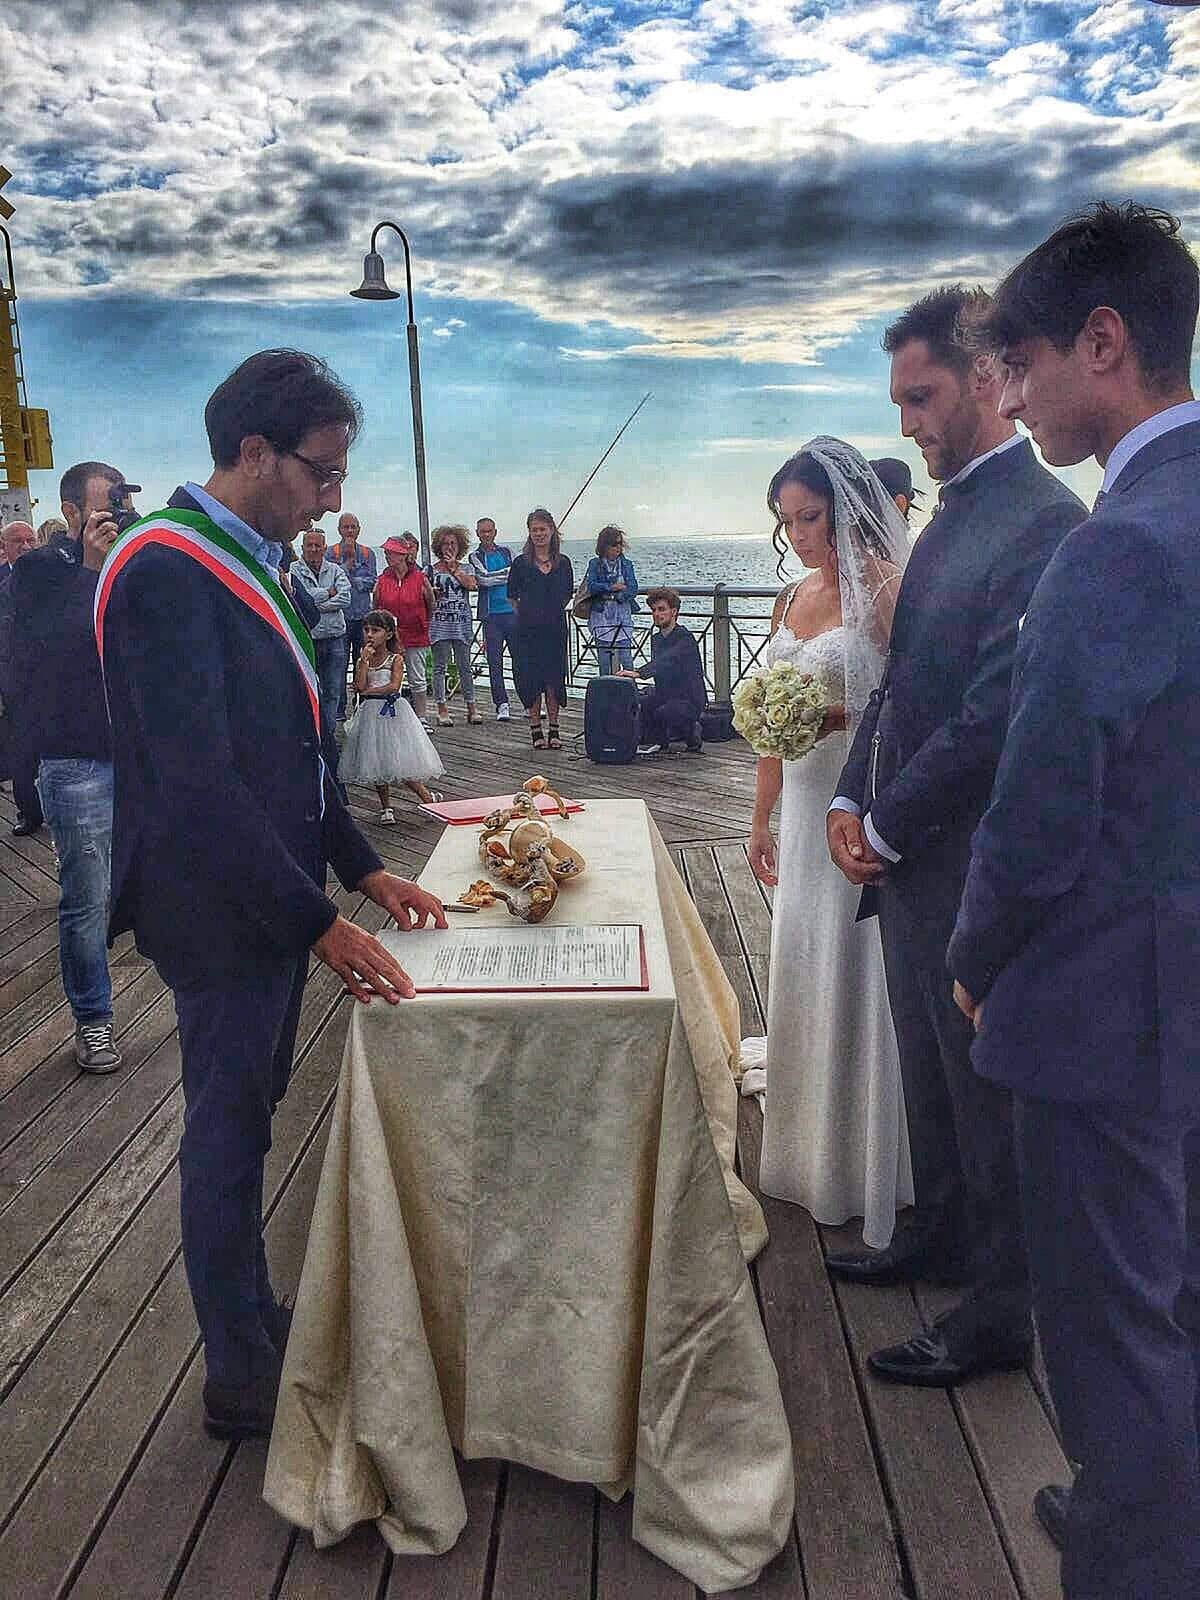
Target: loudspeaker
x,y
716,721
610,720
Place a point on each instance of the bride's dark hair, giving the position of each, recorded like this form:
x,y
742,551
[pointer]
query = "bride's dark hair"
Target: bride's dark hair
x,y
806,470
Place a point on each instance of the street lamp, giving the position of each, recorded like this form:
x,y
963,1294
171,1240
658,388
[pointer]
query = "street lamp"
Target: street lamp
x,y
375,287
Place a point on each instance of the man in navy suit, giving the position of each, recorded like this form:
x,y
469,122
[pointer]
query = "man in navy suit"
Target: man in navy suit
x,y
1077,948
915,783
225,817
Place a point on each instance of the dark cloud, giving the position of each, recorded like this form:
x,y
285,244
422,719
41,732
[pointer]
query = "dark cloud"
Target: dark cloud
x,y
716,237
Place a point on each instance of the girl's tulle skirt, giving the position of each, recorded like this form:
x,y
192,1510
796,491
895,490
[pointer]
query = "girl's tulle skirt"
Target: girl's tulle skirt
x,y
387,749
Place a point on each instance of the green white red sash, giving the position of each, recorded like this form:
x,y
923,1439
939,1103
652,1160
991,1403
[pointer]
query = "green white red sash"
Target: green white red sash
x,y
199,537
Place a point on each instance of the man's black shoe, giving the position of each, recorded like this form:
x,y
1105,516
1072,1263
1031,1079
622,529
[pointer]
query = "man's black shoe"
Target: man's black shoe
x,y
1050,1506
242,1412
23,827
901,1262
927,1363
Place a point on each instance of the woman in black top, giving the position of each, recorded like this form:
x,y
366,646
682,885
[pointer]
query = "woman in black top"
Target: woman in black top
x,y
540,586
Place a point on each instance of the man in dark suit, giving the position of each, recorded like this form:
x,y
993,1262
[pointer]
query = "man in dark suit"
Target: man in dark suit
x,y
1077,949
225,817
915,784
16,728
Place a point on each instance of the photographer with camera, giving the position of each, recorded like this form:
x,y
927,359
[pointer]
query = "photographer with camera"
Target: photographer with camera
x,y
59,682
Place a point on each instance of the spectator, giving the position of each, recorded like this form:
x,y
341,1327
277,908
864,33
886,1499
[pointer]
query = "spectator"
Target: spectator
x,y
57,675
46,530
540,585
450,625
16,744
612,584
328,586
358,563
385,742
405,591
490,564
896,477
672,708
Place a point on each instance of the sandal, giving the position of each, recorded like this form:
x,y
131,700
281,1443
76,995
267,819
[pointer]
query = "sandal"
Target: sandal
x,y
473,715
554,742
537,734
445,721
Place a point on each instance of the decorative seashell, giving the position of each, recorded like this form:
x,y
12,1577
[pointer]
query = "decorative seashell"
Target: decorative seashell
x,y
525,835
563,860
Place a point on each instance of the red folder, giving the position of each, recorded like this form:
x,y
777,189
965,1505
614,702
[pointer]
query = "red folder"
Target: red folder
x,y
461,813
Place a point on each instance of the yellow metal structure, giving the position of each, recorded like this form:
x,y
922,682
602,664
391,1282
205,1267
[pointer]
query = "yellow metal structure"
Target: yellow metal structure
x,y
14,473
39,446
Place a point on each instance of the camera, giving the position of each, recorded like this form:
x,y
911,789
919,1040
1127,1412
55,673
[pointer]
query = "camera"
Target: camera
x,y
117,511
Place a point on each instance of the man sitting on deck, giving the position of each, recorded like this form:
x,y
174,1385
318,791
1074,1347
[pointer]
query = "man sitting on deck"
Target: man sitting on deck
x,y
672,708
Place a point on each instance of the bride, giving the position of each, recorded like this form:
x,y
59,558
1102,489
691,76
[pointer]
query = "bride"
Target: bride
x,y
835,1138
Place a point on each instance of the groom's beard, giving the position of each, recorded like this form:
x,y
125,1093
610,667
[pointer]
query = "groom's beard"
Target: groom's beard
x,y
957,442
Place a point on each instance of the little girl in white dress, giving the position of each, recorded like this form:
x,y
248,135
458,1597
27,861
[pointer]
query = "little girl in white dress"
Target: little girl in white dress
x,y
385,742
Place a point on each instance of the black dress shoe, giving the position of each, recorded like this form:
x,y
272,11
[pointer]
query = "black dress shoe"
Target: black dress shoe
x,y
23,827
927,1363
244,1411
1050,1506
901,1262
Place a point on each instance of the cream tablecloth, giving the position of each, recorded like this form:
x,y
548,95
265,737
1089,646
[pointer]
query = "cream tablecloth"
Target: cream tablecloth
x,y
529,1243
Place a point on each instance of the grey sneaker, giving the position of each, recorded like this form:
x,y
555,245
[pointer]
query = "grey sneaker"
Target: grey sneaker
x,y
94,1047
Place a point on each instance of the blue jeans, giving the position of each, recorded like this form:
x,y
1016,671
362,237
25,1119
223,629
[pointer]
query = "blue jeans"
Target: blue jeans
x,y
77,799
332,655
354,644
612,656
498,632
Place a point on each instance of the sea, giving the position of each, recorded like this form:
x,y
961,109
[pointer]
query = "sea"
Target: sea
x,y
748,561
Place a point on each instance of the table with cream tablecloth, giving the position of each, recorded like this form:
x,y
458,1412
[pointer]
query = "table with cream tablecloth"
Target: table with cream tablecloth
x,y
529,1243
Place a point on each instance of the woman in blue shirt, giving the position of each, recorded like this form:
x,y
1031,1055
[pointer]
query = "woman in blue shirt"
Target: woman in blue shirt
x,y
612,584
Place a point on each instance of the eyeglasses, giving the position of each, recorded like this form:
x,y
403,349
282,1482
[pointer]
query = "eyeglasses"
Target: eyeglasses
x,y
327,477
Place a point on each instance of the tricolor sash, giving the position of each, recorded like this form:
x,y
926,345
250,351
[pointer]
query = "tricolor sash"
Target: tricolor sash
x,y
199,537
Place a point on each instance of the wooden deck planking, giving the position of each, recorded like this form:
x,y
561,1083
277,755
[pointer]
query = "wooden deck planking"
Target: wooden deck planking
x,y
109,1486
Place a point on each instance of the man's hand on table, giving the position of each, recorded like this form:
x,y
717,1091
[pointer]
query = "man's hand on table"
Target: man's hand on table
x,y
359,959
410,905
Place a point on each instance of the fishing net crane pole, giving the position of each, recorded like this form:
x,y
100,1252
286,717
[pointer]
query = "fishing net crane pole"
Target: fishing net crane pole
x,y
603,458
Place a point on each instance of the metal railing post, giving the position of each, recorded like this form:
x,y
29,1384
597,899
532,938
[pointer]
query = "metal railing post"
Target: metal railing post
x,y
721,674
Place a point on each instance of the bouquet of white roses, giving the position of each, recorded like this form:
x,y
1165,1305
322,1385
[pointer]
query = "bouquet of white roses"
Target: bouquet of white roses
x,y
779,711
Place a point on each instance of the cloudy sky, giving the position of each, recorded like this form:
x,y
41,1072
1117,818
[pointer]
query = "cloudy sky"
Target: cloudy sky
x,y
719,201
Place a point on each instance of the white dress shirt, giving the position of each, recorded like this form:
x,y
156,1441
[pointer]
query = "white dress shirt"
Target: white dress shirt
x,y
1138,438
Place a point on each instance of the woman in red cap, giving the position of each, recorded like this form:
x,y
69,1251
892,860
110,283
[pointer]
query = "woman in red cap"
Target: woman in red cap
x,y
405,592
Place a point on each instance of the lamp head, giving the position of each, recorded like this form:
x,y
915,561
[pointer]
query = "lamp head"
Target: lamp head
x,y
374,285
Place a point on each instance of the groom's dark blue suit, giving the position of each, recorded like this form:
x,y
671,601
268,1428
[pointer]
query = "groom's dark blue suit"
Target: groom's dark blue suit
x,y
1080,928
922,764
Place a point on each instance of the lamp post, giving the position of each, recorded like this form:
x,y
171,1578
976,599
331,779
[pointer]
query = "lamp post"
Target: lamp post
x,y
375,287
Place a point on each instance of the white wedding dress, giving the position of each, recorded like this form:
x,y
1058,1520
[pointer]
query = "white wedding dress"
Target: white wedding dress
x,y
835,1138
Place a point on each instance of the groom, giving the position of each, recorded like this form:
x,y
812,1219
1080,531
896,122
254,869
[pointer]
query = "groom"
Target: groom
x,y
1080,928
915,784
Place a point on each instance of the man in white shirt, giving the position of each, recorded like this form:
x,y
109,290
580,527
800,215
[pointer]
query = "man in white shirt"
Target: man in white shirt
x,y
329,589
